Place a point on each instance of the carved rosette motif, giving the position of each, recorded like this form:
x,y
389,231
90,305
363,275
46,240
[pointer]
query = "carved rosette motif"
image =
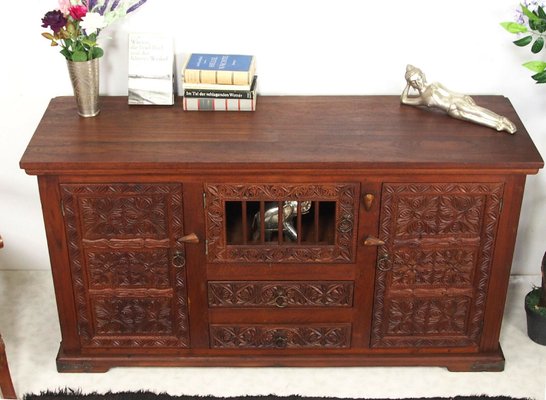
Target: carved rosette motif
x,y
128,269
433,271
344,195
280,294
121,240
279,337
121,316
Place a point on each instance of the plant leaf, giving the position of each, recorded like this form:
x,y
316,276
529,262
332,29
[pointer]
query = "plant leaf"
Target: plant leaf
x,y
540,77
514,27
541,12
48,36
529,14
97,52
66,53
535,66
538,45
524,41
79,56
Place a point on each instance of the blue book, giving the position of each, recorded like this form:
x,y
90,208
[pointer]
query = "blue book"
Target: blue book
x,y
225,69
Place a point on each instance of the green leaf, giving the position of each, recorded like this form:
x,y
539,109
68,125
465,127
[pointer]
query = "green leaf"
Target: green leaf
x,y
541,12
538,45
524,41
514,27
66,53
529,14
97,52
535,66
79,56
540,77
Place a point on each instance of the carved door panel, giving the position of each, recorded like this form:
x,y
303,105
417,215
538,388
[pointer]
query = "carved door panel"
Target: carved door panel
x,y
128,263
276,223
433,270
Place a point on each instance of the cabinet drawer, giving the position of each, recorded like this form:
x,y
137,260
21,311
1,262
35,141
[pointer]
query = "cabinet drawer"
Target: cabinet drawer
x,y
280,294
258,336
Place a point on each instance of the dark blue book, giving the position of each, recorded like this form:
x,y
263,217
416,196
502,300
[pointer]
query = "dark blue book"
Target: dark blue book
x,y
226,69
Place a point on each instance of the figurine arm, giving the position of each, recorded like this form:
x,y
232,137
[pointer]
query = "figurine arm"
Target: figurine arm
x,y
406,99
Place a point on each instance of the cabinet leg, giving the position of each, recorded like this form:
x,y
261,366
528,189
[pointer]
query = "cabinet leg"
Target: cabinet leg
x,y
6,384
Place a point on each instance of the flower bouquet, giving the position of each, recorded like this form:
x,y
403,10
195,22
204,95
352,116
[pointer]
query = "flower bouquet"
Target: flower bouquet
x,y
75,26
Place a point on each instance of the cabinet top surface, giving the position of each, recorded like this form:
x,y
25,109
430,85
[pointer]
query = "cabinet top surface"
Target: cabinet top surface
x,y
296,132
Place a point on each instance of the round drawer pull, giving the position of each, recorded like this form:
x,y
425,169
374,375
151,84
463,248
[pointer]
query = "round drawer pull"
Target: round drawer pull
x,y
280,340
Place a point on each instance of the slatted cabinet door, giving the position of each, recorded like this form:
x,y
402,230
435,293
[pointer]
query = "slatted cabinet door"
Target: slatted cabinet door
x,y
303,223
433,270
128,264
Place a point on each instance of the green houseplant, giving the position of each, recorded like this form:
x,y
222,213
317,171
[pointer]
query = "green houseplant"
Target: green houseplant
x,y
530,26
535,308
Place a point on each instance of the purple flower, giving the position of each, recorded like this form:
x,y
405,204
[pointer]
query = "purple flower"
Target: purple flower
x,y
55,20
135,6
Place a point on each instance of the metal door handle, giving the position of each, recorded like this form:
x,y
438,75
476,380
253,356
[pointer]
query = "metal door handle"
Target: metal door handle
x,y
179,260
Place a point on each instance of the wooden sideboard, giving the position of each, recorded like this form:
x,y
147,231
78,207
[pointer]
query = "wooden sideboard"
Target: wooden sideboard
x,y
316,231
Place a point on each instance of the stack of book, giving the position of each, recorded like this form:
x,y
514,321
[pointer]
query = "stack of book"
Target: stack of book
x,y
219,82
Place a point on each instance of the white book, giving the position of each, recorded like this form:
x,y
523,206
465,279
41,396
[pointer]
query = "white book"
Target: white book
x,y
151,69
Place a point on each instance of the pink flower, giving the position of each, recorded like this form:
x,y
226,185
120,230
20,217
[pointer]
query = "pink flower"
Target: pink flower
x,y
78,12
64,6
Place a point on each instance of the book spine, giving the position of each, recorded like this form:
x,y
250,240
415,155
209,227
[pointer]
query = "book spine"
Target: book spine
x,y
217,77
220,94
209,104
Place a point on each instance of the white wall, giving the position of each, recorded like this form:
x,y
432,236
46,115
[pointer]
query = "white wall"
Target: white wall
x,y
302,47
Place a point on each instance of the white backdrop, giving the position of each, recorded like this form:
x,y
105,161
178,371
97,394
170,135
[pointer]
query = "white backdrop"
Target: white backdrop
x,y
302,47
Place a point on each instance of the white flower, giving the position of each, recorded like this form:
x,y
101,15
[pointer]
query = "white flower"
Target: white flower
x,y
93,22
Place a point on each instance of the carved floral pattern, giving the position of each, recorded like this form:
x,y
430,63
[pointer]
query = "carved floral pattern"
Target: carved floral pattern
x,y
280,294
442,268
421,316
114,269
280,337
345,196
433,271
106,217
121,238
117,316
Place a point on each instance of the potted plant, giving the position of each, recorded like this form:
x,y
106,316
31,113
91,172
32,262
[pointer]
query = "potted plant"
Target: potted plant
x,y
75,26
530,25
535,308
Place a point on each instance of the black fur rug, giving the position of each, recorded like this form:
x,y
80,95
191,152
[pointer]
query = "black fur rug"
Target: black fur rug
x,y
69,394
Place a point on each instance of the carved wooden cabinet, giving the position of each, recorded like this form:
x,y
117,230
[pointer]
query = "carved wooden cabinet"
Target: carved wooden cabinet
x,y
317,231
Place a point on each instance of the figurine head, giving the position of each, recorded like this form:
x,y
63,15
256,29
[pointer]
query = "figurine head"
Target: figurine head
x,y
415,77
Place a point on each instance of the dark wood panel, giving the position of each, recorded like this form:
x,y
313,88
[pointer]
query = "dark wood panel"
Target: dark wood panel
x,y
286,131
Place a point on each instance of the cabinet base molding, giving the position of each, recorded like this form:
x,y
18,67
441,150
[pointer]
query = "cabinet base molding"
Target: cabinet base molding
x,y
471,362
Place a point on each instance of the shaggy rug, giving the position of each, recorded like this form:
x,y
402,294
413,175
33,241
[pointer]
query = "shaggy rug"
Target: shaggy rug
x,y
69,394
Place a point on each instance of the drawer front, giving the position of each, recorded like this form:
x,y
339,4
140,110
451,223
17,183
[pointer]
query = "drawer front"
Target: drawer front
x,y
324,336
281,223
280,294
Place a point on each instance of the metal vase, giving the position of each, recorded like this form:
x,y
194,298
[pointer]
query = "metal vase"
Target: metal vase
x,y
84,76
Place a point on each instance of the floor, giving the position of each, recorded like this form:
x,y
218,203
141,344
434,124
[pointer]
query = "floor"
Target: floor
x,y
29,326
